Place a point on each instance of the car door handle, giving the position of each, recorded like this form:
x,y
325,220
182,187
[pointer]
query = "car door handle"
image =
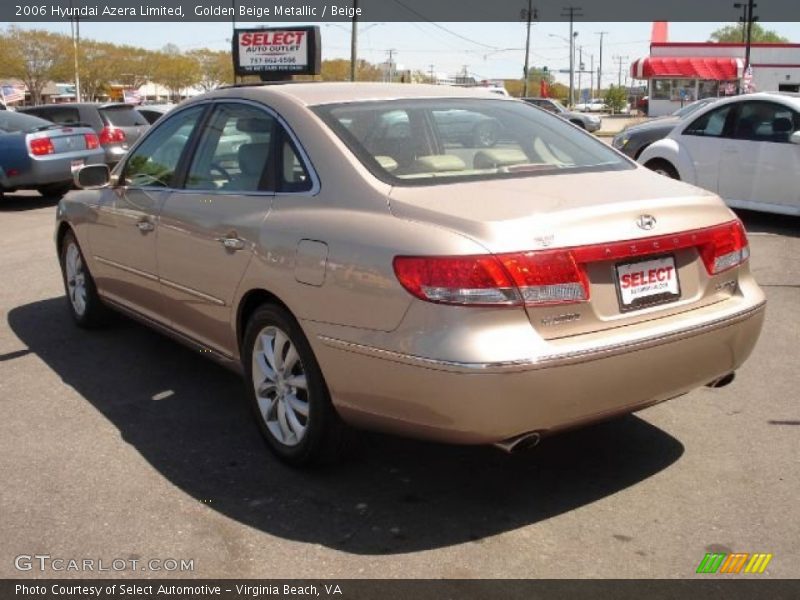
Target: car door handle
x,y
231,243
145,226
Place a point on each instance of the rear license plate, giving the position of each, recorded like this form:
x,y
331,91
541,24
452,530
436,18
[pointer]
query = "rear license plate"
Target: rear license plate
x,y
647,282
75,165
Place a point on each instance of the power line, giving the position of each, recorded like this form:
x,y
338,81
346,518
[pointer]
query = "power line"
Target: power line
x,y
443,28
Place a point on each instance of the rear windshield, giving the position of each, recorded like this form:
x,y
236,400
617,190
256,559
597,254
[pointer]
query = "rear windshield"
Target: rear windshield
x,y
424,141
11,122
122,116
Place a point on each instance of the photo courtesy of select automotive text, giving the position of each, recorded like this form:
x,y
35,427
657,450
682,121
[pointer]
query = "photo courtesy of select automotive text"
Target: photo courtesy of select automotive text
x,y
399,299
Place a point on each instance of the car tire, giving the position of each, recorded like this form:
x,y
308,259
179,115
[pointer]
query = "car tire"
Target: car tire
x,y
484,135
290,398
55,191
662,167
580,124
85,305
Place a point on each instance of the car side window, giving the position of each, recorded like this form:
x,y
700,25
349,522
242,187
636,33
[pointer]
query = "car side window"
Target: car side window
x,y
292,174
234,150
711,124
765,122
154,162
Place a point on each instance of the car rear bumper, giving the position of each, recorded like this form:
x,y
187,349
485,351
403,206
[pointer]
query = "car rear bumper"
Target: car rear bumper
x,y
489,402
51,169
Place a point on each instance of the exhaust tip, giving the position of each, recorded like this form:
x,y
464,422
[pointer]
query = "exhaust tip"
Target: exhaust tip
x,y
519,442
722,381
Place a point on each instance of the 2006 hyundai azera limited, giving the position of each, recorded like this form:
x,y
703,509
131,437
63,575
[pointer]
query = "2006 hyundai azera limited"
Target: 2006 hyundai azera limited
x,y
426,260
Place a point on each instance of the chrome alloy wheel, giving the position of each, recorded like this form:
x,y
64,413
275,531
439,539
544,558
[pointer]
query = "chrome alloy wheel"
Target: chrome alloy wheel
x,y
76,279
280,386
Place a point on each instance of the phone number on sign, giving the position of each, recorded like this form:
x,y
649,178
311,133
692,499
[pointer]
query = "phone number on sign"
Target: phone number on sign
x,y
271,60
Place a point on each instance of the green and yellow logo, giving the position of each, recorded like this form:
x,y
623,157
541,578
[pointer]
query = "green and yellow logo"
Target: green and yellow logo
x,y
720,562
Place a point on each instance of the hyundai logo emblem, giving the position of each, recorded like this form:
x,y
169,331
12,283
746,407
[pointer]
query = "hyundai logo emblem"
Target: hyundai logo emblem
x,y
646,222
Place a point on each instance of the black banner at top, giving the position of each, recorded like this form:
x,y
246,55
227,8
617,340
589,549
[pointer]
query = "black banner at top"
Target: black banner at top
x,y
307,11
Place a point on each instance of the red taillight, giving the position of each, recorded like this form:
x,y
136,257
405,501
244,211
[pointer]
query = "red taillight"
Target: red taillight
x,y
111,135
41,146
91,141
726,247
474,280
506,279
547,277
554,276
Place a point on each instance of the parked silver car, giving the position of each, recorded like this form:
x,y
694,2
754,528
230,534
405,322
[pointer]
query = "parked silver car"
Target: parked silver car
x,y
588,122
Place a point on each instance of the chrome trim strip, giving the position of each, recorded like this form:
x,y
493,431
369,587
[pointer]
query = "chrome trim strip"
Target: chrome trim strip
x,y
166,282
126,268
548,360
192,292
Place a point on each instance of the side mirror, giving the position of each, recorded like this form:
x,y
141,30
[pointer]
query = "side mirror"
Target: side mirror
x,y
795,138
92,177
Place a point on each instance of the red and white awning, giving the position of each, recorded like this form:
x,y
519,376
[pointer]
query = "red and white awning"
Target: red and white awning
x,y
722,68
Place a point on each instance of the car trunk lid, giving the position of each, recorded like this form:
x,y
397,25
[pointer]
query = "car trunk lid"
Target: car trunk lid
x,y
595,213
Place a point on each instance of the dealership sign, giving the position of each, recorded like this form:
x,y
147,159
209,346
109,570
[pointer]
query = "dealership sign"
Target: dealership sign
x,y
276,53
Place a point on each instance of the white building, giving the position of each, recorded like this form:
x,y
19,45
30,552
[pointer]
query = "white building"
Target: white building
x,y
680,72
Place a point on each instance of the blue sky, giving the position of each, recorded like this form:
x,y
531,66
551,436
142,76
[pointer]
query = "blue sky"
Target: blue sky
x,y
490,50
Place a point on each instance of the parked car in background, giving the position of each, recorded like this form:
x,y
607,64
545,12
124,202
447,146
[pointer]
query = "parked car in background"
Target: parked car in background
x,y
468,295
593,105
39,155
153,112
635,138
588,122
117,125
744,148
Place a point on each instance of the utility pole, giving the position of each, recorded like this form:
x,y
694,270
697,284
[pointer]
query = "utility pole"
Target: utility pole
x,y
354,43
572,12
619,60
528,15
602,34
431,73
580,71
75,27
749,39
591,75
743,18
391,52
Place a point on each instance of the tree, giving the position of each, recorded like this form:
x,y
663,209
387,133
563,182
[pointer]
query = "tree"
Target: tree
x,y
734,33
175,71
215,67
616,98
98,68
133,67
36,57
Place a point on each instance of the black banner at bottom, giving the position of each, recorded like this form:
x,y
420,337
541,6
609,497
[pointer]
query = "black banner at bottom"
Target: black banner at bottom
x,y
712,588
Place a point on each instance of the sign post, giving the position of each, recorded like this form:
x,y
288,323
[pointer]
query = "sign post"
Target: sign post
x,y
275,54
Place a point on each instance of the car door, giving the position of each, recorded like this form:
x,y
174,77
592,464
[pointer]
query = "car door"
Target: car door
x,y
209,227
758,162
123,237
702,140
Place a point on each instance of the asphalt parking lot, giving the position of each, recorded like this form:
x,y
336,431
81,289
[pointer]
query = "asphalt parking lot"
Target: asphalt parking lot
x,y
123,444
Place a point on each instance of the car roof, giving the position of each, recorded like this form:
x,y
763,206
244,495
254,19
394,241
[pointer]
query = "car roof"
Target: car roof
x,y
316,93
771,96
82,105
